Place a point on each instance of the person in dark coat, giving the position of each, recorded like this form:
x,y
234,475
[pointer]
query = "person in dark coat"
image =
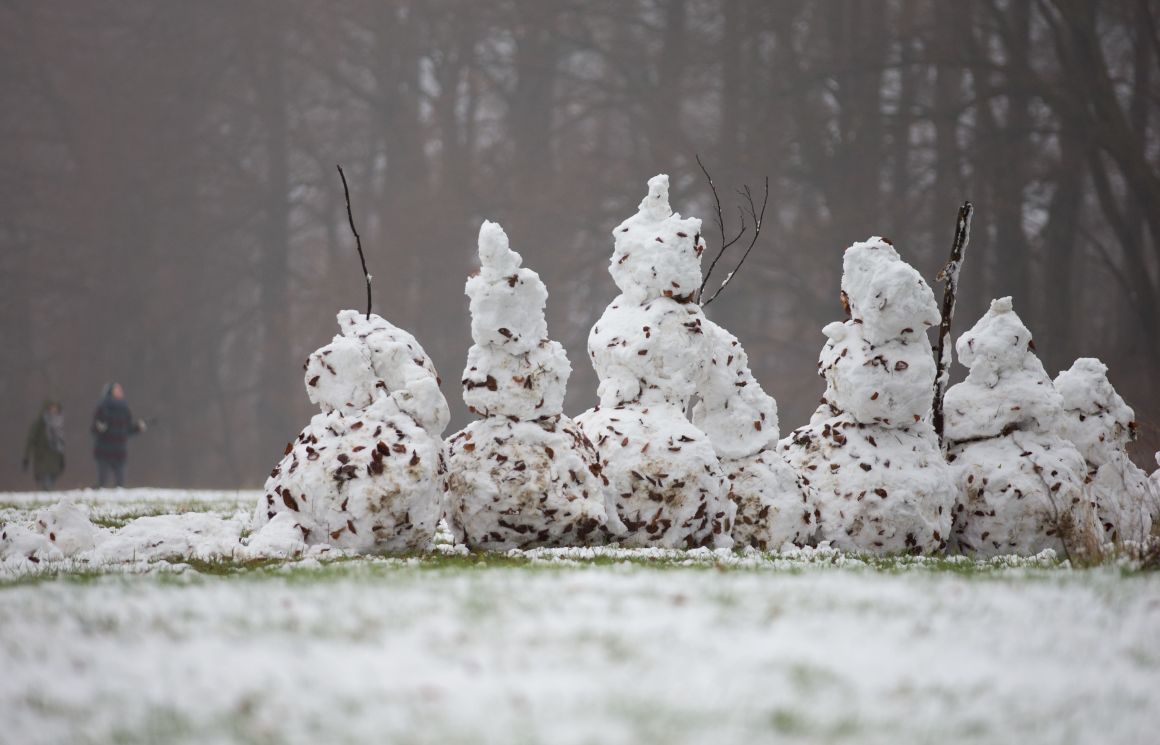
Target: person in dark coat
x,y
44,448
113,424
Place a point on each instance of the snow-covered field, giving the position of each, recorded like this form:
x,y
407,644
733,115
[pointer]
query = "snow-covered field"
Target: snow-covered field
x,y
569,646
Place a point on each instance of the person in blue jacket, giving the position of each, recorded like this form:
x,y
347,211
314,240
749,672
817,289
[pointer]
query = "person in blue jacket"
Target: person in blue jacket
x,y
113,424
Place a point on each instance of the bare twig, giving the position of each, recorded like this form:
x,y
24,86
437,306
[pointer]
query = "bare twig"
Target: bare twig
x,y
358,241
758,219
720,227
950,277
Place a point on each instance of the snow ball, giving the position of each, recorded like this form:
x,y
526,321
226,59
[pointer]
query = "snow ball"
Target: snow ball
x,y
68,527
1098,422
339,376
774,507
656,252
525,484
650,353
665,478
1096,418
507,302
878,489
1007,388
889,383
1021,494
739,417
887,296
525,386
998,343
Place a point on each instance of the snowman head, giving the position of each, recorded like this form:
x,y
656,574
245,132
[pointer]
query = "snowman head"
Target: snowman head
x,y
507,301
998,343
887,296
656,252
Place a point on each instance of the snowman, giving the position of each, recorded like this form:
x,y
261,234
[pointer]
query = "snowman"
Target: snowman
x,y
869,451
1098,422
524,474
648,349
366,474
775,508
1021,485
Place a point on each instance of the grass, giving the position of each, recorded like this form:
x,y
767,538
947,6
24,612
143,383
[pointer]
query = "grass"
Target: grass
x,y
369,568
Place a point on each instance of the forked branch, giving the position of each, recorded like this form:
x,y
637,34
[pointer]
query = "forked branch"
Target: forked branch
x,y
758,218
720,217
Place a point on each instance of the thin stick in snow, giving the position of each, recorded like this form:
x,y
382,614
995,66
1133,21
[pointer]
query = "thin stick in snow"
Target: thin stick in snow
x,y
950,277
357,239
758,218
720,227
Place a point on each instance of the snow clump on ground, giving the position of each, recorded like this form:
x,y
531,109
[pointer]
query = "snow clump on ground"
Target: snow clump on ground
x,y
65,530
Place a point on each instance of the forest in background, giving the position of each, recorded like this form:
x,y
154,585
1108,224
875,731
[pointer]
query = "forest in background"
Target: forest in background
x,y
171,216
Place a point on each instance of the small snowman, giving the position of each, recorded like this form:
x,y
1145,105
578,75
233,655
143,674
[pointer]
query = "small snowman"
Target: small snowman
x,y
775,508
1098,422
648,349
869,451
366,474
523,475
1021,485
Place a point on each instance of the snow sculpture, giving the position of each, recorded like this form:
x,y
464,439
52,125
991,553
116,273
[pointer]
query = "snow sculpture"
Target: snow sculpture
x,y
367,472
1098,422
1021,485
524,475
869,451
648,349
774,507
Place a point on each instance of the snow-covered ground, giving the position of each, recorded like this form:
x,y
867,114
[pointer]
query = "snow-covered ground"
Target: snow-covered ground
x,y
571,646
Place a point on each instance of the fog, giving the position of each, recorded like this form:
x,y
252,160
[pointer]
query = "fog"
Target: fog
x,y
171,217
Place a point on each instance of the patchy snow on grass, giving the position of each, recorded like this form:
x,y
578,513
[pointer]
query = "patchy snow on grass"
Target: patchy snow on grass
x,y
586,645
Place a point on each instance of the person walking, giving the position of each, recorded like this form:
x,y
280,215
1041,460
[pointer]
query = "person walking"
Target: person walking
x,y
44,447
113,424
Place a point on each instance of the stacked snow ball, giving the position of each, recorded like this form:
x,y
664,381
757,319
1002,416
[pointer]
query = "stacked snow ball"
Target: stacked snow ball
x,y
1098,422
365,474
1021,485
775,507
648,349
869,451
524,475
